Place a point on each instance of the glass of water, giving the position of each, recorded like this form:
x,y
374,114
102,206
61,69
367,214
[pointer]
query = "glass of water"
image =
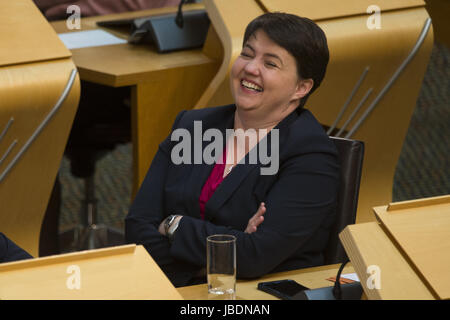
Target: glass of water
x,y
221,266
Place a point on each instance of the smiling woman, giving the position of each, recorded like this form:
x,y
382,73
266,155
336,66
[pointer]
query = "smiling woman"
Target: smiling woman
x,y
303,41
280,220
264,82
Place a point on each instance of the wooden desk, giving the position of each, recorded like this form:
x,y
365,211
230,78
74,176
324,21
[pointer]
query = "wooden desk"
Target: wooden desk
x,y
123,272
409,246
156,80
246,290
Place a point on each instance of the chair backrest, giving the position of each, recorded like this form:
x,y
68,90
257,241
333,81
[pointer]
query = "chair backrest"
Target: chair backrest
x,y
351,154
39,94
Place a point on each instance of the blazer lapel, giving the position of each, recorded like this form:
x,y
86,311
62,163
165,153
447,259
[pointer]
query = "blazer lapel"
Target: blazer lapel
x,y
201,172
241,171
198,178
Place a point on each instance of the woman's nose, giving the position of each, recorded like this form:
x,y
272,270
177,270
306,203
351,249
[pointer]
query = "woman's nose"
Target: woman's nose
x,y
252,67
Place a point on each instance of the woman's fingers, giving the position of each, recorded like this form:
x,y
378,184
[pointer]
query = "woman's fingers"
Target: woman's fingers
x,y
257,219
258,216
261,210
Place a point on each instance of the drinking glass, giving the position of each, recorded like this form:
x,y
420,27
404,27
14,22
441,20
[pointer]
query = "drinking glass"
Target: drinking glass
x,y
221,266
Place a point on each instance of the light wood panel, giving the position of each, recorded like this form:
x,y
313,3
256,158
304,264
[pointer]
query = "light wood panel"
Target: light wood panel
x,y
385,129
366,244
155,105
312,278
127,65
125,272
20,22
33,77
421,229
28,93
329,9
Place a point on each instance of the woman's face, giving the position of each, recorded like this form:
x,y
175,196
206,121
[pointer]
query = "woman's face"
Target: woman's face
x,y
264,80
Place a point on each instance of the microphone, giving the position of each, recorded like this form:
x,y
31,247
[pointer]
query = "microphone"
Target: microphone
x,y
337,291
174,31
349,291
179,20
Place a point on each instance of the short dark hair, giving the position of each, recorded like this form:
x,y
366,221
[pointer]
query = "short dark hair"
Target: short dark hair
x,y
301,37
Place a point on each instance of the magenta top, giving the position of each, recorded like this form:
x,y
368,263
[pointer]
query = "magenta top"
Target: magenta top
x,y
211,184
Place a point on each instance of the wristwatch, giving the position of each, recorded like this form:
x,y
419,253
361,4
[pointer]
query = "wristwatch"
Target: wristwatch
x,y
170,227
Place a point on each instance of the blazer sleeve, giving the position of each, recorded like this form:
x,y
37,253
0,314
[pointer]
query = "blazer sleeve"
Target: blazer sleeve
x,y
9,251
298,203
147,210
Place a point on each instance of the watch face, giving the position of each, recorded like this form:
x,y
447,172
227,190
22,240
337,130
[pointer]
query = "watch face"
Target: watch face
x,y
168,222
172,229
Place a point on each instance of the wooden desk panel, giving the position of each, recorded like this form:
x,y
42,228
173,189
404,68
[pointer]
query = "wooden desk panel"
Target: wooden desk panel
x,y
421,228
162,84
366,244
155,105
329,9
247,290
127,65
125,272
23,30
39,94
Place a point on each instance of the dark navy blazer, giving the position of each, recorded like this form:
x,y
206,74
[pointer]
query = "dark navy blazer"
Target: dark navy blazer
x,y
9,251
300,200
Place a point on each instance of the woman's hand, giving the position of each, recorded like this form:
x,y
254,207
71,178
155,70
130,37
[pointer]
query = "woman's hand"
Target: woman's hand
x,y
256,220
161,228
252,225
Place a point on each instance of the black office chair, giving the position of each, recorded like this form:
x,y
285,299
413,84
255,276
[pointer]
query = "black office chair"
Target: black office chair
x,y
351,154
103,121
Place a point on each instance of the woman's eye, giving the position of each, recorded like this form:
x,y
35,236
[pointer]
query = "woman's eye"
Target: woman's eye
x,y
271,64
245,54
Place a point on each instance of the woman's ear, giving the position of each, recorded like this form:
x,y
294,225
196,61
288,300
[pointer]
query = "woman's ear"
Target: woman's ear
x,y
304,86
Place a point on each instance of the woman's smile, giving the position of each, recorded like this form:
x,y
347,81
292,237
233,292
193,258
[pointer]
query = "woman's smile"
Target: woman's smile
x,y
251,86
